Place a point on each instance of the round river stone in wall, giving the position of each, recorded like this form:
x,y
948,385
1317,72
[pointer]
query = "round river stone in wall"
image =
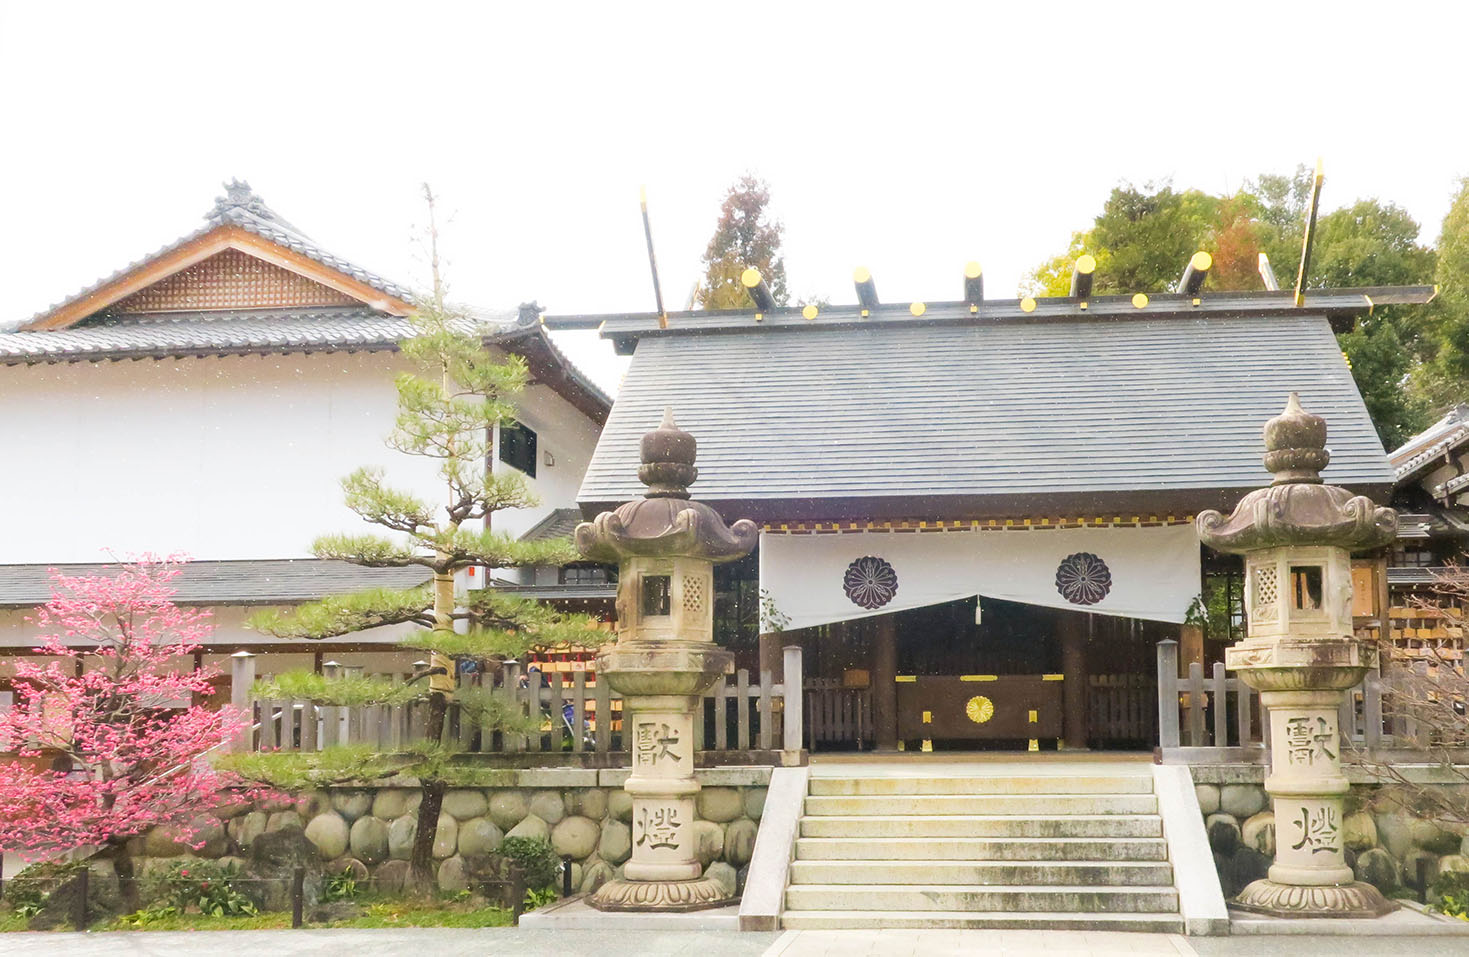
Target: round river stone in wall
x,y
1208,795
453,875
369,839
1376,867
723,875
1224,834
394,802
619,805
575,837
478,837
284,821
592,803
447,837
163,841
463,804
401,835
1394,832
1453,863
596,875
247,828
329,833
616,844
548,806
1430,836
708,841
211,832
1358,831
533,827
754,803
391,877
1241,800
720,805
739,841
352,804
1259,833
508,808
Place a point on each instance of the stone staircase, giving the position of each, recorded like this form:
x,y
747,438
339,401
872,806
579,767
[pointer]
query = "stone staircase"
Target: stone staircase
x,y
982,849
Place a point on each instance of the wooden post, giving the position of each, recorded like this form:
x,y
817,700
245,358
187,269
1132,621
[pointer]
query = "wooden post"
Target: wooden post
x,y
1244,706
1196,704
578,710
242,676
1221,706
767,736
791,707
770,654
884,681
721,714
742,707
1073,689
1168,693
604,715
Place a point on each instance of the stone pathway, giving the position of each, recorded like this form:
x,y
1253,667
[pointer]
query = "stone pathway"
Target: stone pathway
x,y
991,943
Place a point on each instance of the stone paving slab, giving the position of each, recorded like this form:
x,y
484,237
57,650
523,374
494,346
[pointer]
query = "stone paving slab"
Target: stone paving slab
x,y
1410,920
576,914
993,943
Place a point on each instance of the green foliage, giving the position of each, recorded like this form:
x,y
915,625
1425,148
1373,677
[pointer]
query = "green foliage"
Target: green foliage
x,y
28,891
1451,890
341,886
344,614
491,711
540,897
1381,367
773,621
536,859
296,770
1445,379
206,887
373,551
349,691
745,237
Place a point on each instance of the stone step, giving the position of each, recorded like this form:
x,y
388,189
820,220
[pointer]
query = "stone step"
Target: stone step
x,y
994,920
984,825
981,849
980,784
1110,899
934,804
985,873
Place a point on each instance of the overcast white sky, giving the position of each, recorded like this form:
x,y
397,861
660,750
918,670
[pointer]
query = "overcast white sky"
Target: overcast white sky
x,y
905,137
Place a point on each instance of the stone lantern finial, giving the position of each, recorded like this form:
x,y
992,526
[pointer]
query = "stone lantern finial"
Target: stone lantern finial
x,y
668,454
1295,445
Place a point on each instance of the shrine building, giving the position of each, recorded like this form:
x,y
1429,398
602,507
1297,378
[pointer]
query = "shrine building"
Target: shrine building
x,y
978,515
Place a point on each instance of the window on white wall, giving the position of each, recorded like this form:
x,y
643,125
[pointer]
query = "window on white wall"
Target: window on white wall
x,y
518,448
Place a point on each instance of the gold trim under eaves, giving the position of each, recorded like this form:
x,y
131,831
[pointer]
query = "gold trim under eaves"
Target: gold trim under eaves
x,y
1053,677
1034,523
906,678
979,677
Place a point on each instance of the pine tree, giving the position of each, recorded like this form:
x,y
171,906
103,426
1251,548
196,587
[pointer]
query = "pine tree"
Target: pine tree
x,y
446,411
745,237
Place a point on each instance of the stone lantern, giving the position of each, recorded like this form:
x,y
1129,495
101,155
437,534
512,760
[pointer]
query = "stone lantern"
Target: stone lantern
x,y
1297,537
664,660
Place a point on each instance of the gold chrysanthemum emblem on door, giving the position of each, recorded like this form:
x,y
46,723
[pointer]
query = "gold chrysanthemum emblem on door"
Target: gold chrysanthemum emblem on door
x,y
979,709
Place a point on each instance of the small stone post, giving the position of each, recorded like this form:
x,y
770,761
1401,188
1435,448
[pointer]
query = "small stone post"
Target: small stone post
x,y
1297,537
242,677
664,660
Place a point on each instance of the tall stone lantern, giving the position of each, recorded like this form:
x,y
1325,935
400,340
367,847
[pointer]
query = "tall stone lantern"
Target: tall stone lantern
x,y
665,658
1297,537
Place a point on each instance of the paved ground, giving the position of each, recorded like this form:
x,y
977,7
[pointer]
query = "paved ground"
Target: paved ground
x,y
575,943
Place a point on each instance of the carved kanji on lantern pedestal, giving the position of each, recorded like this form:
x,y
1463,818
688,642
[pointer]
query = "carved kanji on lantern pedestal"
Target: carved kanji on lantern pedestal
x,y
1297,537
664,660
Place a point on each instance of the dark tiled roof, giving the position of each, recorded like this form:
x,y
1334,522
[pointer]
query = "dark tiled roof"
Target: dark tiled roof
x,y
1445,435
244,209
243,582
559,524
798,420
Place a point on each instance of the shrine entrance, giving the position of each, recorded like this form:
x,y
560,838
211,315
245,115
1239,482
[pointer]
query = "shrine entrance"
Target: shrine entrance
x,y
982,674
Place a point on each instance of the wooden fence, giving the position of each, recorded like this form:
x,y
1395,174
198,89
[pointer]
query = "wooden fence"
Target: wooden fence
x,y
740,721
838,715
1121,710
1218,719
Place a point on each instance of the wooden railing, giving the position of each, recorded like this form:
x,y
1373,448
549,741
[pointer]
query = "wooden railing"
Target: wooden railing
x,y
740,722
1121,710
838,715
1217,719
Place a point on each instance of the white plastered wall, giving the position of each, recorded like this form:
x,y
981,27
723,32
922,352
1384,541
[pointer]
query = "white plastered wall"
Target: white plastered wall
x,y
232,457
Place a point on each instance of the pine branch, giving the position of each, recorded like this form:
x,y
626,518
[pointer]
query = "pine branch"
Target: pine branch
x,y
369,497
344,614
350,691
370,551
468,546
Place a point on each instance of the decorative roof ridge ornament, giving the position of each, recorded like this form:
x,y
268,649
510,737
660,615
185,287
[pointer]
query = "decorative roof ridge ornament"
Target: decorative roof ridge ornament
x,y
666,521
239,196
1298,508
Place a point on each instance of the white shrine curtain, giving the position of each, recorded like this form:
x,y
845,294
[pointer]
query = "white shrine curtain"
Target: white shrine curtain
x,y
815,579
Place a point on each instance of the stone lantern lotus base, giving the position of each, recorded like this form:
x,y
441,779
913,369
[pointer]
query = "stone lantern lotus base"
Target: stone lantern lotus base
x,y
1295,900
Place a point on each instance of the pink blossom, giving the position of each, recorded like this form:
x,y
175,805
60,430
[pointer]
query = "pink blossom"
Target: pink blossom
x,y
128,759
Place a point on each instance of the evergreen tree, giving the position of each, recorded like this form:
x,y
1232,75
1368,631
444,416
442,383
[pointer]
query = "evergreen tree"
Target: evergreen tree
x,y
446,411
1445,380
745,237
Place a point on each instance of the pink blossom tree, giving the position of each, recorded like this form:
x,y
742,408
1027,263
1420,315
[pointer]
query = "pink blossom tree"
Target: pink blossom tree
x,y
104,740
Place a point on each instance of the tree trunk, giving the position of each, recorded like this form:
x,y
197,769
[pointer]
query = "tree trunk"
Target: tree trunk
x,y
122,864
422,861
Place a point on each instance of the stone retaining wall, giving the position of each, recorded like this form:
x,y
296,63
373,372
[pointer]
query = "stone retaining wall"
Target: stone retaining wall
x,y
583,813
1383,847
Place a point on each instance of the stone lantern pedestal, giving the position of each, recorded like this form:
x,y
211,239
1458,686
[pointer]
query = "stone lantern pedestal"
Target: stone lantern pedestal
x,y
664,660
1297,537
